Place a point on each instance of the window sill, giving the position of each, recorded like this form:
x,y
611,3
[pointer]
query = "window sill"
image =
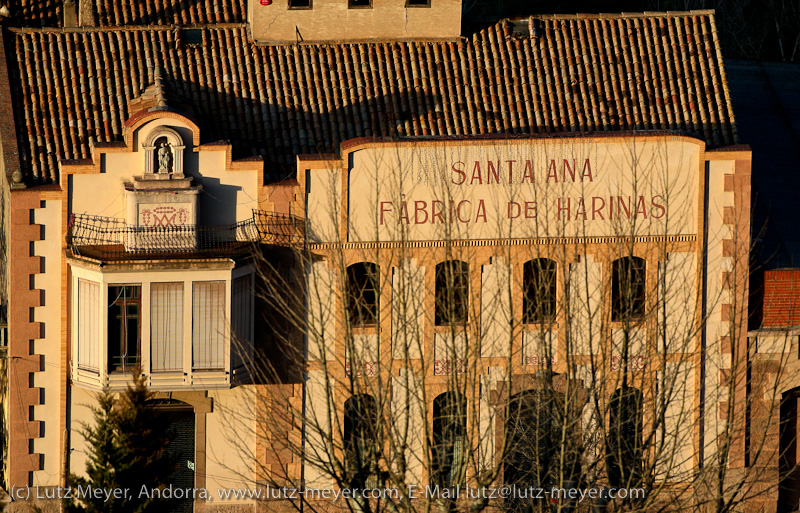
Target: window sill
x,y
633,322
541,325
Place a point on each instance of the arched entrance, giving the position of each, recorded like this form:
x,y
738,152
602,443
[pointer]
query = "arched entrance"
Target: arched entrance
x,y
789,487
537,457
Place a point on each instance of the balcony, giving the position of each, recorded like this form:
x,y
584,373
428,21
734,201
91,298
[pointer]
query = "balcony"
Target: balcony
x,y
111,239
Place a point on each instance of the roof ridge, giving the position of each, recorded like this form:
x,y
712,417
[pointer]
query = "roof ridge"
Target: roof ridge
x,y
126,28
646,14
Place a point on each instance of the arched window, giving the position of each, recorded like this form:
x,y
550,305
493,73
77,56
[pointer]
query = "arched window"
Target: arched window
x,y
449,439
361,441
624,442
363,293
539,290
538,455
452,292
627,288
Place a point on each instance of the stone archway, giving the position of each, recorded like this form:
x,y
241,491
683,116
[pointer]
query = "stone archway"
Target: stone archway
x,y
533,410
163,153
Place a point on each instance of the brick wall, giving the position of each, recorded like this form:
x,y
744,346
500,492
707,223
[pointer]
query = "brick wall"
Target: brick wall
x,y
781,298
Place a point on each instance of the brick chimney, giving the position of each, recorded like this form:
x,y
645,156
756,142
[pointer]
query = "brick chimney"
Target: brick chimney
x,y
781,298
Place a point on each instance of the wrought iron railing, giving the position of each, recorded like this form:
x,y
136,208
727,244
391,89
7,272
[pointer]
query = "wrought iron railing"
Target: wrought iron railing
x,y
108,238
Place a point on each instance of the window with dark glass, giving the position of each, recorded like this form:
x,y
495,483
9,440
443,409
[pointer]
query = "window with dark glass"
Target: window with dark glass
x,y
627,288
363,293
359,4
452,292
361,441
449,439
539,287
624,439
300,4
418,3
124,327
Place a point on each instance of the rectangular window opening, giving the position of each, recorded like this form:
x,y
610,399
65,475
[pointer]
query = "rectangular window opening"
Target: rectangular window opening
x,y
166,327
359,4
418,3
300,4
192,36
124,327
208,325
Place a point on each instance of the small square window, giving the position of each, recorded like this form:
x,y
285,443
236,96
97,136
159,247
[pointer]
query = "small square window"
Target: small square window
x,y
192,37
418,3
359,4
300,4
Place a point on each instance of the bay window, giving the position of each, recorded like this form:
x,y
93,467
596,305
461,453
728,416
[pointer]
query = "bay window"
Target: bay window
x,y
178,331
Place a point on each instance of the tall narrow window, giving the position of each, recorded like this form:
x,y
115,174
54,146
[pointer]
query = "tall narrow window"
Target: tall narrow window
x,y
449,439
624,442
124,327
627,288
539,287
166,327
363,293
452,292
361,441
208,325
89,325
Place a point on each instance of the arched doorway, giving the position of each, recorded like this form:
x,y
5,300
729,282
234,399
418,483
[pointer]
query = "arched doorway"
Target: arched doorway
x,y
789,487
540,454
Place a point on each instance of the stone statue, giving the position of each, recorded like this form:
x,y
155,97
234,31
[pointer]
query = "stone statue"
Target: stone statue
x,y
164,158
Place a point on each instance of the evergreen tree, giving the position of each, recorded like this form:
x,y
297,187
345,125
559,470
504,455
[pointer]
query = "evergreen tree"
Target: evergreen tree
x,y
127,451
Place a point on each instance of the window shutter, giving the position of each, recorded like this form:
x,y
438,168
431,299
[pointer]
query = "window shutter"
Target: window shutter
x,y
208,325
166,327
88,325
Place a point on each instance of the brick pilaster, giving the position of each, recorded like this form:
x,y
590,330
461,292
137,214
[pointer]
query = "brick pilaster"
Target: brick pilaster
x,y
21,332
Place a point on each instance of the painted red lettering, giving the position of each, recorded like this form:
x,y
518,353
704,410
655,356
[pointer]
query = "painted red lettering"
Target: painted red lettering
x,y
530,210
383,208
418,209
461,172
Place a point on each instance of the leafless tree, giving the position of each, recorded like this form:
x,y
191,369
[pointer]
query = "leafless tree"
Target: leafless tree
x,y
551,343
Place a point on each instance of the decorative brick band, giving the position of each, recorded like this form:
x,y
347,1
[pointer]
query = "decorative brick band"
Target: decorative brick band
x,y
542,241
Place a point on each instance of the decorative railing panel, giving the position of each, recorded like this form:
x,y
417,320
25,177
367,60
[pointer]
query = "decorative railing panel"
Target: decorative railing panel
x,y
107,238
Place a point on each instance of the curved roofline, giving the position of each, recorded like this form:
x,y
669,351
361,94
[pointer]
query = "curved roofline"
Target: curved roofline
x,y
351,144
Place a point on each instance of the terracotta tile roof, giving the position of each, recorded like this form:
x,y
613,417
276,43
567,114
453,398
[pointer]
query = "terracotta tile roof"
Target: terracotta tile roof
x,y
169,12
33,13
572,74
117,13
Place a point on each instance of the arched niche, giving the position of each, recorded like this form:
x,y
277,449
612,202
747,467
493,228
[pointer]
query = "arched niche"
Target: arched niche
x,y
163,153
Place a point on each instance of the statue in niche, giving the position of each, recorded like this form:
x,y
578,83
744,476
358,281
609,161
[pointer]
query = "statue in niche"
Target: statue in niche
x,y
164,157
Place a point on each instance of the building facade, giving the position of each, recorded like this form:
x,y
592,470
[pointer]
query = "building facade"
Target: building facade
x,y
544,223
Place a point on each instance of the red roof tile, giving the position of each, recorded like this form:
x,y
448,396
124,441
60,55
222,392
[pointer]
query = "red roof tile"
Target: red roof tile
x,y
33,13
574,74
49,13
169,12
